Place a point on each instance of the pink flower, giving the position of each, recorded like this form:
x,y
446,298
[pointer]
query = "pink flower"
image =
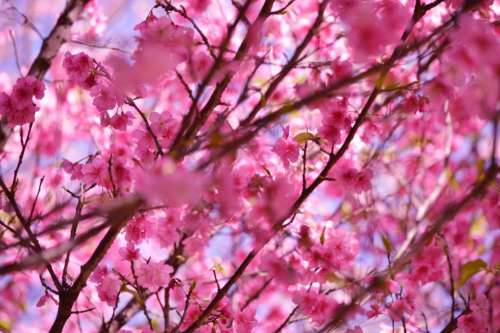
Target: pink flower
x,y
245,321
199,5
120,121
429,265
398,308
164,125
278,268
50,139
166,233
472,323
99,273
342,7
394,15
349,179
227,190
341,69
170,184
74,169
343,246
6,104
355,329
153,275
334,119
374,311
474,44
108,289
79,67
371,29
163,41
318,307
42,300
287,150
138,229
104,97
96,171
161,30
24,90
18,107
337,118
362,181
337,252
199,65
330,133
276,200
129,253
23,115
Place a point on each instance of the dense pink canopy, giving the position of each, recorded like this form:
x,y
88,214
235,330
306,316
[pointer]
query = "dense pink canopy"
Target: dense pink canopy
x,y
250,166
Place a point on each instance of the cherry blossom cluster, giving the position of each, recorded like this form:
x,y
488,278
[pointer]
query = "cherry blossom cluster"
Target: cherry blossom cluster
x,y
18,107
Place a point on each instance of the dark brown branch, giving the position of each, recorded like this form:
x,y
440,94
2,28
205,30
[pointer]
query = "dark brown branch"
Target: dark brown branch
x,y
159,149
214,99
24,145
287,320
72,235
118,217
55,252
25,224
217,65
133,306
56,38
257,294
54,227
289,66
221,293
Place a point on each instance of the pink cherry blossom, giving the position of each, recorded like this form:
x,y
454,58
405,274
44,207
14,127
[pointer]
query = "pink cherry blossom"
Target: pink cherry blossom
x,y
108,289
138,230
104,97
355,329
152,275
287,150
79,68
18,107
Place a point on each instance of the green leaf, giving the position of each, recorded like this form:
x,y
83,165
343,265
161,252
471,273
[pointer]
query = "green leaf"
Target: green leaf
x,y
303,137
5,326
479,226
346,209
469,269
289,107
155,324
219,268
134,293
322,237
333,277
387,244
216,139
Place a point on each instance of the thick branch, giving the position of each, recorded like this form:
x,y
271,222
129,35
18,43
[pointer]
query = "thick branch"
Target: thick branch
x,y
56,38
